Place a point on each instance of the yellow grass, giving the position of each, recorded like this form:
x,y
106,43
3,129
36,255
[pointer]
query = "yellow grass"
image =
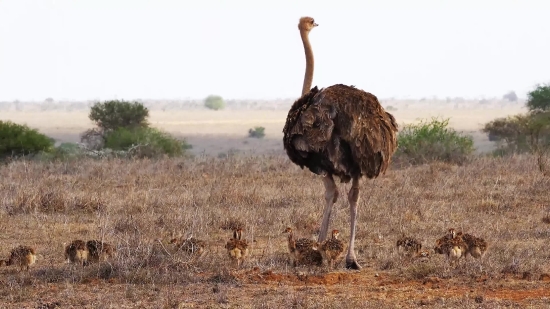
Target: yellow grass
x,y
137,205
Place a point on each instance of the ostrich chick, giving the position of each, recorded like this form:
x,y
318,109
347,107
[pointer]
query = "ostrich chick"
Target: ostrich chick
x,y
332,249
23,256
77,252
299,248
237,248
409,245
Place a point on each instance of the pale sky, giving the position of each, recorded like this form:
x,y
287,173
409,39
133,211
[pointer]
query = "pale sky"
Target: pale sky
x,y
160,49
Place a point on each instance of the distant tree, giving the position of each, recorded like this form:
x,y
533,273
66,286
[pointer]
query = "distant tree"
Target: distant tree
x,y
257,132
49,100
539,98
214,102
111,115
511,96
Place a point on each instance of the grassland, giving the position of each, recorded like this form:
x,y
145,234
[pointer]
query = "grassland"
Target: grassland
x,y
138,205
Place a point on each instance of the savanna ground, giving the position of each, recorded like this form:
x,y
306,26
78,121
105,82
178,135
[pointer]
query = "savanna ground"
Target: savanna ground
x,y
138,205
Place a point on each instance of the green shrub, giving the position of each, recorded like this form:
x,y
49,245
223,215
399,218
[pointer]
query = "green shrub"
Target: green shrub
x,y
17,140
214,102
433,140
111,115
257,132
145,142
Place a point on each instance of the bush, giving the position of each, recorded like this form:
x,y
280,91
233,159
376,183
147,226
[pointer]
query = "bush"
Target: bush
x,y
111,115
17,140
214,102
145,142
432,141
520,133
257,132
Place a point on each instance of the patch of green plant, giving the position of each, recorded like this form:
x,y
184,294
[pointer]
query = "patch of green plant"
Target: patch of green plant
x,y
145,142
433,140
18,140
257,132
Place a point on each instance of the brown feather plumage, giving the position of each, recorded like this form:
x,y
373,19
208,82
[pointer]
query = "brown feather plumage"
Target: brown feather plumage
x,y
340,130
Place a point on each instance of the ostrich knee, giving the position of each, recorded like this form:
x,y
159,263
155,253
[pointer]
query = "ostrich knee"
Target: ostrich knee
x,y
353,195
331,195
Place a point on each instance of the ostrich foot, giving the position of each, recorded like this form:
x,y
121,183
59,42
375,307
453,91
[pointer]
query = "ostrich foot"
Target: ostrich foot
x,y
352,264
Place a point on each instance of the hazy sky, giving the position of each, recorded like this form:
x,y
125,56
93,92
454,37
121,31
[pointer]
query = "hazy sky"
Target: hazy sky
x,y
102,49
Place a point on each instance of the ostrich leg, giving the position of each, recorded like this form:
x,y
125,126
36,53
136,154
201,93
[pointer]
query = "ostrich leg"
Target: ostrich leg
x,y
353,198
331,195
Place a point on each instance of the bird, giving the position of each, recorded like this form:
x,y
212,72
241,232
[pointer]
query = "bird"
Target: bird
x,y
476,246
338,131
191,245
409,245
77,252
297,247
99,251
23,256
237,248
332,249
454,248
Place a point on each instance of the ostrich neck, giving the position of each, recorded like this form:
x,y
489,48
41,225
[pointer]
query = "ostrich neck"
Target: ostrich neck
x,y
290,237
308,77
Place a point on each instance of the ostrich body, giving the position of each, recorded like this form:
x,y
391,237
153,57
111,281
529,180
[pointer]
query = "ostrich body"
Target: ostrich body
x,y
338,131
77,252
99,251
409,245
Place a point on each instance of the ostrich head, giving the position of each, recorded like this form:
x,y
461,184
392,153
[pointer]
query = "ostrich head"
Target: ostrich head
x,y
237,233
288,230
452,232
306,24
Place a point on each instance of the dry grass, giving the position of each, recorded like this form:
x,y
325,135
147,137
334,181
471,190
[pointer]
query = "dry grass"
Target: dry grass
x,y
133,204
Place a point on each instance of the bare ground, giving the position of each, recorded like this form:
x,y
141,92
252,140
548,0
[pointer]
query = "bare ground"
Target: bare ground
x,y
138,205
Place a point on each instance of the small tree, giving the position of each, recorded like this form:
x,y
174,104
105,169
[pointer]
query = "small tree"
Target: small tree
x,y
16,140
539,98
111,115
214,102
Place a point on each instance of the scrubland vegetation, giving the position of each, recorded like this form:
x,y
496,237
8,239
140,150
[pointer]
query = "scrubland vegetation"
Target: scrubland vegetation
x,y
137,201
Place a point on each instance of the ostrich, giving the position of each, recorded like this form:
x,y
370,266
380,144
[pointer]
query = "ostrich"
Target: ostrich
x,y
338,131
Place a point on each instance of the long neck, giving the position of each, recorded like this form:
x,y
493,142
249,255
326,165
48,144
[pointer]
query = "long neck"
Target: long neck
x,y
308,77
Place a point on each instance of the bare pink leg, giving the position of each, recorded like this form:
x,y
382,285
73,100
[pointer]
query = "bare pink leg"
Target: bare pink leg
x,y
331,195
353,198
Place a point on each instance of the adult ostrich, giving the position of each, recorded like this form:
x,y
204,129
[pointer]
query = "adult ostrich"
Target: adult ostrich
x,y
338,131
